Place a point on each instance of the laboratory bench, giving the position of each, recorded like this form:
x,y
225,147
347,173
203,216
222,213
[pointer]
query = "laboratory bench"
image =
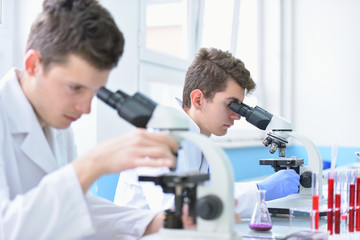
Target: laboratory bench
x,y
283,227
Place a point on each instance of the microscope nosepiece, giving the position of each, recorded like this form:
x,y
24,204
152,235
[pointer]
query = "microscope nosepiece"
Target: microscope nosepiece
x,y
273,147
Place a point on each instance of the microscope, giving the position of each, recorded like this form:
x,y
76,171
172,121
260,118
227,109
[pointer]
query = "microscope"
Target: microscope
x,y
210,197
278,131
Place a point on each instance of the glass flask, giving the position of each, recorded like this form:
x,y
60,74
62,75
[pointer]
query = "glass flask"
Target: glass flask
x,y
260,219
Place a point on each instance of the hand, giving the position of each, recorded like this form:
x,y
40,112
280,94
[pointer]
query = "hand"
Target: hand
x,y
134,149
188,221
158,221
237,215
280,184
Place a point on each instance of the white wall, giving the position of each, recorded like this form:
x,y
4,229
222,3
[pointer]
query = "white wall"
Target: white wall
x,y
25,13
327,72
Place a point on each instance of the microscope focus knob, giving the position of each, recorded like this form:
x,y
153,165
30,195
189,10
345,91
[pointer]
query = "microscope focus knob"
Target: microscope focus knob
x,y
305,179
209,207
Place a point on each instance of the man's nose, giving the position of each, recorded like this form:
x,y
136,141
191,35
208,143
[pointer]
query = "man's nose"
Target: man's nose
x,y
234,115
84,106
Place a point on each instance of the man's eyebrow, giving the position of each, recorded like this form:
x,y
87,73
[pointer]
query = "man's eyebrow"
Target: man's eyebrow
x,y
74,83
233,99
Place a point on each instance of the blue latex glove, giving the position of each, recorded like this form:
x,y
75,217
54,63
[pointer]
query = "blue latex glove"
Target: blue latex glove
x,y
280,184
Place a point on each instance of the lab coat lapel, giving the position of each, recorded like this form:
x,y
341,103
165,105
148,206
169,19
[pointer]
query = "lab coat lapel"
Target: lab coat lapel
x,y
36,147
24,124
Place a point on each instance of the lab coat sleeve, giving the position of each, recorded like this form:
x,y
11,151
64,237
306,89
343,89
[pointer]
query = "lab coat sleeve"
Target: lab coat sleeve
x,y
115,222
143,195
246,194
46,211
129,192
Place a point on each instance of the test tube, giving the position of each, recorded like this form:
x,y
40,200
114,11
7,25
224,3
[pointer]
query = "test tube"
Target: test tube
x,y
344,212
315,201
330,202
338,182
357,208
351,201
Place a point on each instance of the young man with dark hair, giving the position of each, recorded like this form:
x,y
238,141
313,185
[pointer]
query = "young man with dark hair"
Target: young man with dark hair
x,y
71,49
214,80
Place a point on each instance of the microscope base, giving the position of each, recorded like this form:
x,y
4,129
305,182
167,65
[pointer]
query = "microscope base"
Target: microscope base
x,y
192,234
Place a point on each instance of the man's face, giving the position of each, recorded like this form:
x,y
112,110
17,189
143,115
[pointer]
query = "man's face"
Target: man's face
x,y
64,92
216,117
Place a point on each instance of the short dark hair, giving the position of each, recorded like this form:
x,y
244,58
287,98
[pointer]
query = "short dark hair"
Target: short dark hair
x,y
79,27
210,72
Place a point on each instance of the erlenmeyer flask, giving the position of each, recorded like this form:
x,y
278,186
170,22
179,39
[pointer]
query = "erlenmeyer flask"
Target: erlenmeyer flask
x,y
260,219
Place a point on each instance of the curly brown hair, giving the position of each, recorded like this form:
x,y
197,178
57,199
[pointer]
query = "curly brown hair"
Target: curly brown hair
x,y
210,71
80,27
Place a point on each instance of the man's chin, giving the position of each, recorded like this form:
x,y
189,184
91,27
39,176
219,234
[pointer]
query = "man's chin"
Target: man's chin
x,y
61,125
219,134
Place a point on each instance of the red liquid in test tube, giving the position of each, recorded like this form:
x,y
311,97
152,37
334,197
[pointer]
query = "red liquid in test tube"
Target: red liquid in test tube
x,y
315,208
331,205
351,207
337,213
357,216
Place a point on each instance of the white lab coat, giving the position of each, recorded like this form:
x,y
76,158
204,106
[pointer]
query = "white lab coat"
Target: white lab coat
x,y
40,195
130,192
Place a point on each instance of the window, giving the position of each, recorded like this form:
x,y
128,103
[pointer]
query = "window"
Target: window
x,y
172,31
217,24
165,34
166,27
165,48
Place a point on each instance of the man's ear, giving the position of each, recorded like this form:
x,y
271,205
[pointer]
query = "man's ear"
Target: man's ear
x,y
197,98
32,61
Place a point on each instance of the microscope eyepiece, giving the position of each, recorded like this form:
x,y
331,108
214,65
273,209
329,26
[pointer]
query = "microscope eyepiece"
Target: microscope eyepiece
x,y
241,109
110,98
136,109
256,116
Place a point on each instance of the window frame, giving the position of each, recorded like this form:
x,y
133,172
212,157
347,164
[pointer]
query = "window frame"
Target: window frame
x,y
156,58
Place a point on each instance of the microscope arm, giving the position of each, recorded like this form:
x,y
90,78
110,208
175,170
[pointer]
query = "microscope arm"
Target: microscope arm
x,y
315,163
314,157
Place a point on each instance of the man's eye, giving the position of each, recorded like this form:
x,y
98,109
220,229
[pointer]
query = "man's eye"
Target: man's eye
x,y
230,103
75,87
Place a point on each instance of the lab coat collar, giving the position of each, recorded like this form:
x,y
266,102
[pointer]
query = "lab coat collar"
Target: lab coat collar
x,y
193,159
23,123
193,127
18,104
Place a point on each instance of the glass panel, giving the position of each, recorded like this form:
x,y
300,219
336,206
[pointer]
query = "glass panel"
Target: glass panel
x,y
217,24
166,27
247,39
